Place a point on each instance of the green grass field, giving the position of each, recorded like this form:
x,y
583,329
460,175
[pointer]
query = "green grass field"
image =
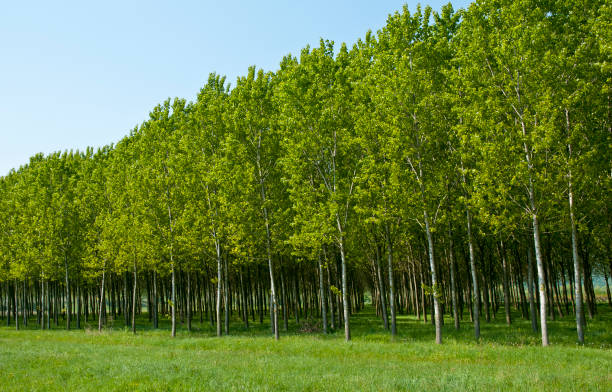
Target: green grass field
x,y
505,359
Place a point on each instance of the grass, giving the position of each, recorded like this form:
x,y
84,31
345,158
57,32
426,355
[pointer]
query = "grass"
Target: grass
x,y
116,360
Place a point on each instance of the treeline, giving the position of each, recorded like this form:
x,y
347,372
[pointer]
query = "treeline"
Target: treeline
x,y
452,161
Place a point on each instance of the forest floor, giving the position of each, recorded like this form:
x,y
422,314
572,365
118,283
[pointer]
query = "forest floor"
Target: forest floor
x,y
504,359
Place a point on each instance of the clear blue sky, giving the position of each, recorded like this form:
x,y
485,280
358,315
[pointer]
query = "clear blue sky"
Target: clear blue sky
x,y
80,73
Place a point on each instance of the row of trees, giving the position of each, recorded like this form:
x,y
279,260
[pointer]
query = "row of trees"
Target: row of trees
x,y
452,160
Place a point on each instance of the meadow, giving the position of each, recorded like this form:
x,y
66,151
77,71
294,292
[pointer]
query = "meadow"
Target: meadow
x,y
250,359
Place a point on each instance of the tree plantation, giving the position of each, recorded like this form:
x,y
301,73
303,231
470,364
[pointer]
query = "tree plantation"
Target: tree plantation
x,y
455,163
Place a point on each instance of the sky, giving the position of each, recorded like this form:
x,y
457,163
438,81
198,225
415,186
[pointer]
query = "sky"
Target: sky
x,y
81,73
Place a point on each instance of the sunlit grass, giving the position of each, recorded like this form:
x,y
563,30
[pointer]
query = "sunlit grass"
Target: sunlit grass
x,y
505,358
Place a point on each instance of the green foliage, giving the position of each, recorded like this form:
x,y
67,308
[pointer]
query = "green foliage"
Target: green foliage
x,y
348,155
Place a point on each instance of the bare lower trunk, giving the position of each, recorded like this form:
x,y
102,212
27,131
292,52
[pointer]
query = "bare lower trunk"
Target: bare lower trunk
x,y
322,293
576,260
285,307
391,293
536,243
451,260
381,289
78,306
505,283
476,303
16,309
155,315
134,300
219,281
541,282
434,281
126,316
173,333
273,302
188,301
173,299
531,283
226,295
68,304
345,305
331,301
42,303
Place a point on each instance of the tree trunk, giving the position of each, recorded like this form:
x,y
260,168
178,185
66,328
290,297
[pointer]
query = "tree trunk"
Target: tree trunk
x,y
219,281
188,301
173,297
245,301
381,289
345,305
322,294
134,284
273,304
434,281
505,283
476,302
285,299
78,312
100,312
68,307
391,293
532,304
331,301
155,305
126,316
451,261
226,294
15,308
540,265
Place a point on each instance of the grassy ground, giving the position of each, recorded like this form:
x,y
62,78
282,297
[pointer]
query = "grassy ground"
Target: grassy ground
x,y
506,358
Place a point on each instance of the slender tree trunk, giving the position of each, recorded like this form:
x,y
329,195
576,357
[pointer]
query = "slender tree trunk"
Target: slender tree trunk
x,y
68,307
578,282
24,303
173,297
531,282
381,289
476,302
505,283
42,303
170,224
537,243
245,301
219,281
8,304
126,316
451,261
273,304
331,301
155,305
391,283
226,294
322,294
285,307
134,284
345,305
78,312
540,265
188,301
434,281
15,307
